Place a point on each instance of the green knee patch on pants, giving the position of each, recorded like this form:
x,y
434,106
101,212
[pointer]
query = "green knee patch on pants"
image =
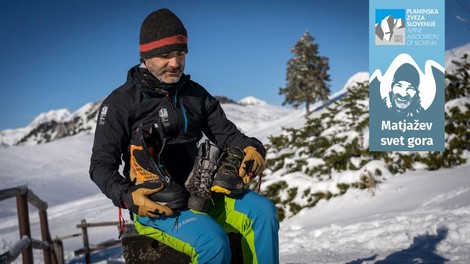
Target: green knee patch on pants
x,y
233,221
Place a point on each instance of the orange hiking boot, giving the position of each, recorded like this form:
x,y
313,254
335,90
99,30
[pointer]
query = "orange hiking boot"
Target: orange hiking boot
x,y
144,168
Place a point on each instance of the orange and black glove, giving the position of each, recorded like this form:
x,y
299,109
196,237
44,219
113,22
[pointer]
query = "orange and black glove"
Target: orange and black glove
x,y
253,164
136,199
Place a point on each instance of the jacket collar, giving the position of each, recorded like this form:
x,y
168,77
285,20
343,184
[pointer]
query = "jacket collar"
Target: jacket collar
x,y
148,83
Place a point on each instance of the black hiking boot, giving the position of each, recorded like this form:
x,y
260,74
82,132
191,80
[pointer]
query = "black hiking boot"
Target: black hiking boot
x,y
226,179
200,179
172,196
144,168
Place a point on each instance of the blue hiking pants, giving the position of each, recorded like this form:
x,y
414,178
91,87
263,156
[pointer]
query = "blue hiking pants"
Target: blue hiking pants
x,y
203,236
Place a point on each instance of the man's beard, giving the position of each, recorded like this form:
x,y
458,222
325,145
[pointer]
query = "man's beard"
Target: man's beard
x,y
159,74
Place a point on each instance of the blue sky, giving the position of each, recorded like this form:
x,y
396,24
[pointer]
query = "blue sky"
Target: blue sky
x,y
380,14
63,54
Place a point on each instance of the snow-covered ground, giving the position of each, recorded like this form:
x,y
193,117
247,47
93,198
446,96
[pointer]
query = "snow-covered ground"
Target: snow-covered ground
x,y
417,217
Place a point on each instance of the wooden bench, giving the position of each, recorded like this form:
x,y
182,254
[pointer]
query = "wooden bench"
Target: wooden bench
x,y
142,249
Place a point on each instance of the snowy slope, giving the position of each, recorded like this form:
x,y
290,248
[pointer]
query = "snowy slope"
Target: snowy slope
x,y
52,125
262,121
10,136
454,54
57,170
419,215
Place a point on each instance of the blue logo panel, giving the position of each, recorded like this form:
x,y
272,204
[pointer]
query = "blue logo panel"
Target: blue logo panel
x,y
406,75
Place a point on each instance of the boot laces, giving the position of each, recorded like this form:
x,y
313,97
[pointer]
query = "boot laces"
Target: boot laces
x,y
205,180
232,161
201,185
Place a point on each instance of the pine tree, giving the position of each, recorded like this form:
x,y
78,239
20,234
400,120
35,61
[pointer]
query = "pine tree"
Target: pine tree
x,y
458,81
307,75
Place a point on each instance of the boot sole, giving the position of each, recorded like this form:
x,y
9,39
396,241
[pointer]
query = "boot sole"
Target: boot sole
x,y
221,186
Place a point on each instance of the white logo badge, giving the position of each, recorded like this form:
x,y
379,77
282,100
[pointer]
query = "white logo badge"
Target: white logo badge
x,y
103,112
163,113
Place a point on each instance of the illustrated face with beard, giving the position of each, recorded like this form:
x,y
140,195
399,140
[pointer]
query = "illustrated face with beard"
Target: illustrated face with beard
x,y
402,95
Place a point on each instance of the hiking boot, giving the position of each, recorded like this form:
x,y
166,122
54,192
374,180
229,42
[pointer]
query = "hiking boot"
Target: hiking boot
x,y
200,179
143,149
172,196
226,179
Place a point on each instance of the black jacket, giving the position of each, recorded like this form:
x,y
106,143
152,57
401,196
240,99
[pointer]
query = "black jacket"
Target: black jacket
x,y
185,110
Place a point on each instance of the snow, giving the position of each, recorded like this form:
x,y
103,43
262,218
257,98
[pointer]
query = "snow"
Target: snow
x,y
9,137
454,54
459,103
59,116
250,100
253,119
420,214
415,215
356,78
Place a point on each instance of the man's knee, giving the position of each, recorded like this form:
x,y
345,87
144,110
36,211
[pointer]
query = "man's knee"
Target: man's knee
x,y
263,207
213,247
268,207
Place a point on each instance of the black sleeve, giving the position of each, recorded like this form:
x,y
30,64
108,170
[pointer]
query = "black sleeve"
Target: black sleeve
x,y
223,132
254,142
110,142
218,128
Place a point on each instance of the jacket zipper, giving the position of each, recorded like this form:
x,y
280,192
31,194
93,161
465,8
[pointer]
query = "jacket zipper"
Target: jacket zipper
x,y
183,110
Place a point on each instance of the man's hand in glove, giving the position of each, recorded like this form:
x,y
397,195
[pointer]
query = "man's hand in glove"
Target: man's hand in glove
x,y
252,164
136,200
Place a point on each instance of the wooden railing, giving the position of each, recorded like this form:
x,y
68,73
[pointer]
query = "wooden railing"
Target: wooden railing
x,y
52,250
87,248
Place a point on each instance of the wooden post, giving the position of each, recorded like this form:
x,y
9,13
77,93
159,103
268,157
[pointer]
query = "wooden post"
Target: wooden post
x,y
23,224
59,251
45,236
86,244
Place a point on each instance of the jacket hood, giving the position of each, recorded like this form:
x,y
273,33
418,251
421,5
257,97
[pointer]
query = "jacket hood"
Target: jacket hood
x,y
148,83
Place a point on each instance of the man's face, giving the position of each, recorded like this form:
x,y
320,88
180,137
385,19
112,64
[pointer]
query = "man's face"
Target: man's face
x,y
167,67
402,94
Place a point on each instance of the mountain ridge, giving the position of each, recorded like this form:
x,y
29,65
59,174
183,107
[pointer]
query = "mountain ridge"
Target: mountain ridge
x,y
60,123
